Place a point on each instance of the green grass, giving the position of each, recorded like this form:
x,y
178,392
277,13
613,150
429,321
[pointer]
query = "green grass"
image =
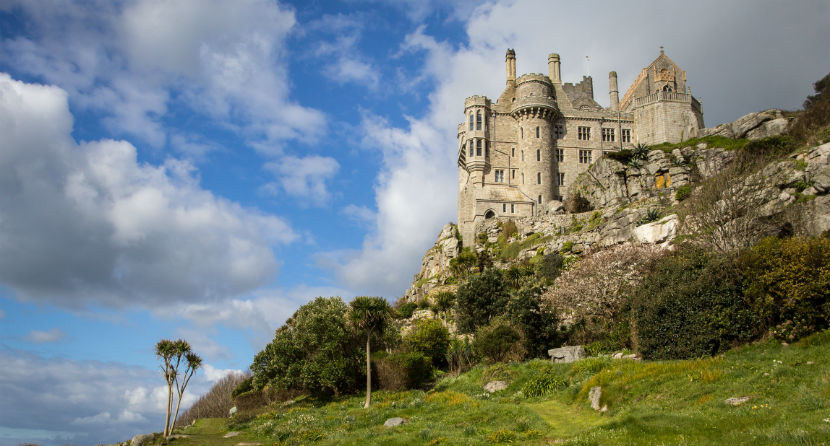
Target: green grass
x,y
509,251
654,402
721,142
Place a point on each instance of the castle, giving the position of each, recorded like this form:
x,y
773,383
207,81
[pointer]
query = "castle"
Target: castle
x,y
517,155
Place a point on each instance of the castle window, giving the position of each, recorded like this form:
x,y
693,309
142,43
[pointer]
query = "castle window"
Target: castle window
x,y
537,131
513,173
471,148
583,133
478,147
608,135
523,155
558,131
499,175
513,152
626,135
560,155
540,199
478,121
522,132
561,179
523,178
585,156
504,207
538,177
512,208
471,121
538,155
667,88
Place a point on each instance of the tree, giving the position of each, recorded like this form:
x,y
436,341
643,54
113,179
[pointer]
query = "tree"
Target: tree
x,y
431,338
171,353
315,352
369,315
480,299
193,362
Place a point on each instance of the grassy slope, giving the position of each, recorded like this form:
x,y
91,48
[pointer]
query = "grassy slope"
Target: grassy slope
x,y
665,402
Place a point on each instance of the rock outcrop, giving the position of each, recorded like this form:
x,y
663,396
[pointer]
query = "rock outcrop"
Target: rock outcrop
x,y
435,264
752,126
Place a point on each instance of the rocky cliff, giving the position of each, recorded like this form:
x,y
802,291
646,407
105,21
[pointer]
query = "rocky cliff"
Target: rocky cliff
x,y
641,200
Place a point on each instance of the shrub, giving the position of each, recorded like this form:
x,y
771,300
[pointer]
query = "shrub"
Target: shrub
x,y
500,341
461,264
683,192
816,114
537,321
543,384
460,356
403,370
691,305
405,310
444,300
567,247
316,351
509,230
551,266
576,203
431,338
480,299
591,298
787,283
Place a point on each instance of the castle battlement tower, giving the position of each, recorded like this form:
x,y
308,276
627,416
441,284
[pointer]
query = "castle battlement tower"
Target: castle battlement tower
x,y
518,155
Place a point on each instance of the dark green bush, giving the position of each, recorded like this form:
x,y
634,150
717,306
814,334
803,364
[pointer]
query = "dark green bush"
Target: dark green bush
x,y
537,321
244,386
509,230
405,310
691,305
480,299
551,266
461,264
543,384
787,282
444,300
460,355
683,192
500,341
431,338
403,370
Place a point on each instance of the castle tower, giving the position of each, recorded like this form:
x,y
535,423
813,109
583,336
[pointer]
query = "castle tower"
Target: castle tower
x,y
613,91
554,68
534,110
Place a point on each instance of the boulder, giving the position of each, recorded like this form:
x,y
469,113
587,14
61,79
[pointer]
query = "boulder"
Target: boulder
x,y
737,400
554,207
232,411
567,353
594,396
395,422
658,231
141,439
495,386
769,128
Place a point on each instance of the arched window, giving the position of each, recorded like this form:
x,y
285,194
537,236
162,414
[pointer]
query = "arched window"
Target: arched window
x,y
490,214
538,177
478,121
478,147
471,121
667,88
537,131
538,155
471,147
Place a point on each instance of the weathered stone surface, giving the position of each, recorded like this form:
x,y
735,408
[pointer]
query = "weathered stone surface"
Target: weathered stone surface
x,y
737,400
769,128
554,207
752,126
395,422
141,439
594,396
657,232
567,353
495,386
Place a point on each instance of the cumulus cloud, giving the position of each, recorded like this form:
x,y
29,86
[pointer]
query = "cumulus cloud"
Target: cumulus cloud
x,y
42,337
212,374
344,62
132,60
304,178
728,65
83,223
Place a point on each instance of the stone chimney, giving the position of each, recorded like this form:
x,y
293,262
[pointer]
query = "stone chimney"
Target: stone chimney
x,y
510,65
553,68
613,91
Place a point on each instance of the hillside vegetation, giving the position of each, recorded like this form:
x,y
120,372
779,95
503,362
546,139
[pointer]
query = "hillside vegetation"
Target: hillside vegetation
x,y
708,265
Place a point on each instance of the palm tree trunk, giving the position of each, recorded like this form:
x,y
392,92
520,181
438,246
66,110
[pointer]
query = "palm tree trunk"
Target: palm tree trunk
x,y
169,407
368,373
176,416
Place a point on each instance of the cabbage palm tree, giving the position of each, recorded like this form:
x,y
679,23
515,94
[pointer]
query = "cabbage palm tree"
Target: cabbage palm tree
x,y
369,315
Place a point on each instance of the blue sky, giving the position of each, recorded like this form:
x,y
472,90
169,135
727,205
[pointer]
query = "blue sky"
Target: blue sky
x,y
202,168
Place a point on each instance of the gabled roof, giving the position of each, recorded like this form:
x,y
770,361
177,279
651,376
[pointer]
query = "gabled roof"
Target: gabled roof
x,y
644,76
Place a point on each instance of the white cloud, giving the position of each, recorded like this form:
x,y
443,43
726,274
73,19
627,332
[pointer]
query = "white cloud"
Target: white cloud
x,y
42,337
344,62
361,215
88,223
304,178
132,60
212,374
